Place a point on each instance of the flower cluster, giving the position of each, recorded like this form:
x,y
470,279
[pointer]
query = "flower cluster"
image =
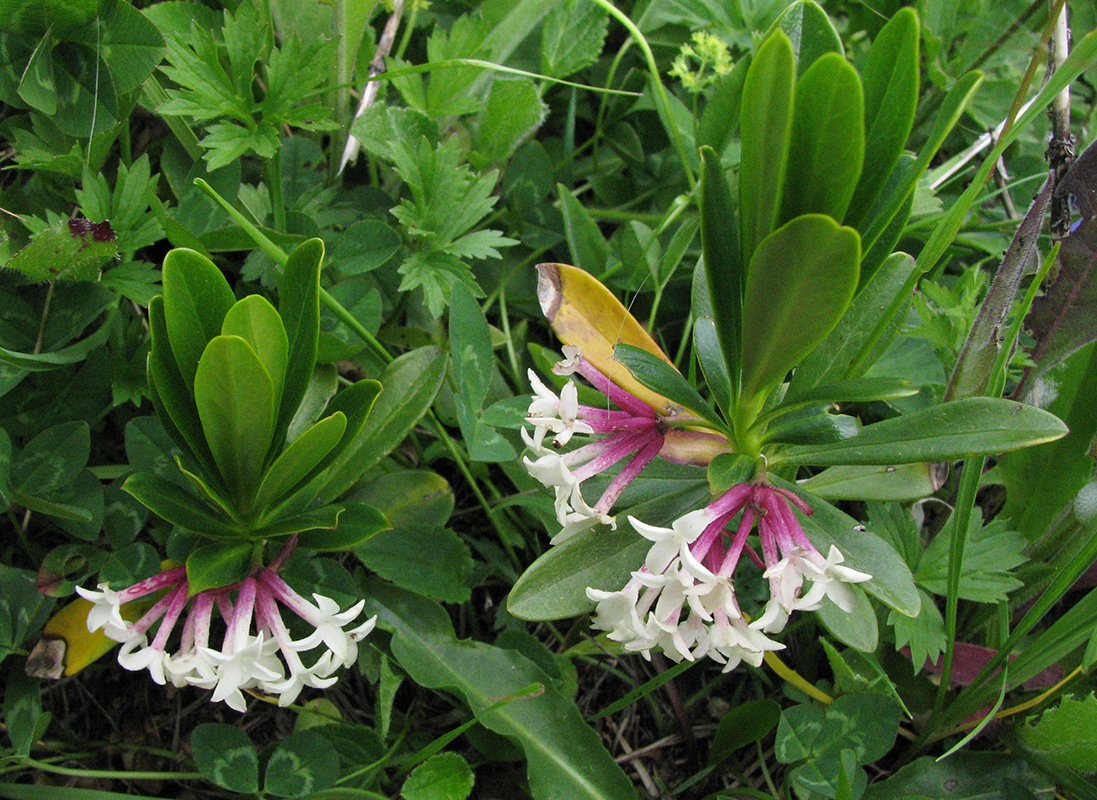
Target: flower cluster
x,y
682,601
268,659
636,430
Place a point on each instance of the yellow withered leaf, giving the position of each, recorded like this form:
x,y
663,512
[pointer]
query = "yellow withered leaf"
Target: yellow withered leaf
x,y
584,313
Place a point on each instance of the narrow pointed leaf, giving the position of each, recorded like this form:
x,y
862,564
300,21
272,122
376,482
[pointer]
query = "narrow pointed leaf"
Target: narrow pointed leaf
x,y
584,313
235,400
325,517
800,282
587,245
299,458
862,390
357,524
810,32
178,506
724,265
565,758
895,483
196,299
665,380
974,426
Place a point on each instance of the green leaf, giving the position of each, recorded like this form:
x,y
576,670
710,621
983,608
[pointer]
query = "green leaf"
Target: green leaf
x,y
724,270
973,426
810,32
69,250
173,401
658,376
863,549
235,402
800,282
513,111
325,517
585,242
178,506
827,147
856,628
297,461
850,349
565,758
445,776
470,346
255,321
896,483
397,556
411,383
765,131
991,551
925,633
572,37
303,763
37,86
226,756
720,120
409,498
52,459
215,565
862,390
554,586
44,362
299,307
890,76
131,46
196,299
357,524
965,776
743,724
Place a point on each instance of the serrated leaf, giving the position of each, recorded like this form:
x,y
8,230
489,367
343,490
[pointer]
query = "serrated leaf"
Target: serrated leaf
x,y
572,37
445,776
513,111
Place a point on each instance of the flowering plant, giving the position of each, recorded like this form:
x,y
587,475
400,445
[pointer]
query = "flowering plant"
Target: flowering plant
x,y
254,469
788,315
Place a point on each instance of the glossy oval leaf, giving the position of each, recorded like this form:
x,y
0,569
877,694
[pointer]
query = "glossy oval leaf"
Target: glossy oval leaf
x,y
974,426
215,565
235,399
765,131
857,628
585,314
196,299
800,282
255,321
827,148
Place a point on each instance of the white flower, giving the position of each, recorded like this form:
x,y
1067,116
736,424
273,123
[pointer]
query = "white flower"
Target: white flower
x,y
551,414
136,654
829,579
106,613
248,664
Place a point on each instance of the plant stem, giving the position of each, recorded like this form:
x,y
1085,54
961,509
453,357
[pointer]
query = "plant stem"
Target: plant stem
x,y
277,198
